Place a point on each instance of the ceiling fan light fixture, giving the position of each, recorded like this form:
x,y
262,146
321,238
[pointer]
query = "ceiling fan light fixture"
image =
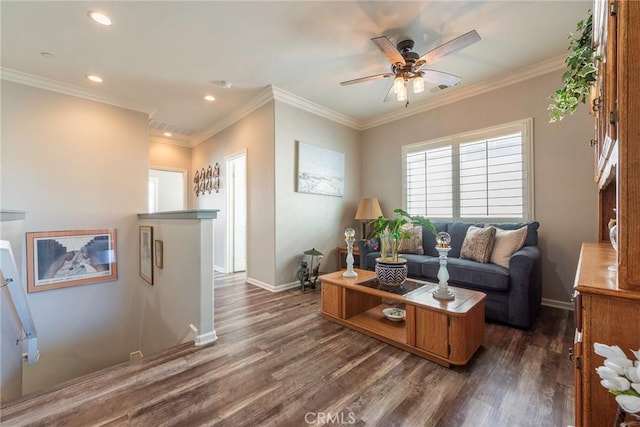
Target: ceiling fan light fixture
x,y
418,84
398,84
402,94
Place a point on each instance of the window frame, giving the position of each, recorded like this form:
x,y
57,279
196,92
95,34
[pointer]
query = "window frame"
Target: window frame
x,y
524,126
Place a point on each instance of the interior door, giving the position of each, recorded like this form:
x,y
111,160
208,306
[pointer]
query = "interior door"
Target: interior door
x,y
237,207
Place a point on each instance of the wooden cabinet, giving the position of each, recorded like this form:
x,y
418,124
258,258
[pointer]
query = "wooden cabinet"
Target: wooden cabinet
x,y
606,314
617,96
446,332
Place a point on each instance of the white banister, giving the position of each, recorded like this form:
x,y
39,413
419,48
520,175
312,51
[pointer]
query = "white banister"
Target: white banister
x,y
9,278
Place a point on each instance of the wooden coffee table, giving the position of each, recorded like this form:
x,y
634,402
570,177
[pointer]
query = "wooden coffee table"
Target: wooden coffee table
x,y
445,332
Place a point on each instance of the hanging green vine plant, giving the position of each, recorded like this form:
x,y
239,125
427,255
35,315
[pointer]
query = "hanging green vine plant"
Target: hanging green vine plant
x,y
576,81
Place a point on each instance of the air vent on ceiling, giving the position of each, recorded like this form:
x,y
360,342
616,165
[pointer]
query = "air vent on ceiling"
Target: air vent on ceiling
x,y
177,130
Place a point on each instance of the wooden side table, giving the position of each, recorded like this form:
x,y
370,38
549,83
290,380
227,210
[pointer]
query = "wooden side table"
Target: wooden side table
x,y
342,257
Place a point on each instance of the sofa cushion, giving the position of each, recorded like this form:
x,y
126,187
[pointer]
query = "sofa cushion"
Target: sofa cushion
x,y
429,239
470,273
414,264
478,244
412,245
532,230
507,242
458,231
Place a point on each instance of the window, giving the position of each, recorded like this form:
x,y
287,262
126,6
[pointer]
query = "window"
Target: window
x,y
482,175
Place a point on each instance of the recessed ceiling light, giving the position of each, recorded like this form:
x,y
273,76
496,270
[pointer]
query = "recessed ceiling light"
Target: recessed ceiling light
x,y
99,17
209,98
167,134
94,78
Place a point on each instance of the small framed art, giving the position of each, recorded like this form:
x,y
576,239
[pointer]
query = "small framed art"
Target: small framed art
x,y
158,253
146,253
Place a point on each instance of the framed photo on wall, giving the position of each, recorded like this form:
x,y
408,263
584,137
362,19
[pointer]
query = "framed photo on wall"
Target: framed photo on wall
x,y
146,253
60,259
320,170
158,253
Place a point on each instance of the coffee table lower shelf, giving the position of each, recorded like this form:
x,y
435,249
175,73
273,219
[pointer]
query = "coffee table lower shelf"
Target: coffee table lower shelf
x,y
445,332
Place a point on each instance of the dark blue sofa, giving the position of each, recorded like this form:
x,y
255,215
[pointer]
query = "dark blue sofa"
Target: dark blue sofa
x,y
513,294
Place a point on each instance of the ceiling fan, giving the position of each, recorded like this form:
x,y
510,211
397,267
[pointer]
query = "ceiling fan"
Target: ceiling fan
x,y
407,65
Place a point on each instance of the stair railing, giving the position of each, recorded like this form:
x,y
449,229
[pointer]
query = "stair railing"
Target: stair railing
x,y
9,278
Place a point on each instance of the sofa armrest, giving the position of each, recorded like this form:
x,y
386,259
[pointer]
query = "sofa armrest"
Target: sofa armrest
x,y
525,286
364,250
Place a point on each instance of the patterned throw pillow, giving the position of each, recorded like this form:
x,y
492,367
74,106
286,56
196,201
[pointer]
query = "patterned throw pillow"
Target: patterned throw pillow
x,y
412,245
506,244
478,244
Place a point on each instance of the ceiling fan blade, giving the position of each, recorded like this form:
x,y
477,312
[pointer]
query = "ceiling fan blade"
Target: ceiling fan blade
x,y
451,46
390,96
389,50
366,79
440,78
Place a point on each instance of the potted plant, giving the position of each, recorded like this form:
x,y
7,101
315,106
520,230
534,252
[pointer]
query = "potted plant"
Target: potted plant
x,y
390,269
580,75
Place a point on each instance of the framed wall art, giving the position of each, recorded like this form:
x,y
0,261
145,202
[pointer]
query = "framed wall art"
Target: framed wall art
x,y
158,254
320,170
60,259
146,253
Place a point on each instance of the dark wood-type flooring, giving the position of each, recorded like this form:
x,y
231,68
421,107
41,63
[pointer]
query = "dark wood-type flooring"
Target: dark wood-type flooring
x,y
278,362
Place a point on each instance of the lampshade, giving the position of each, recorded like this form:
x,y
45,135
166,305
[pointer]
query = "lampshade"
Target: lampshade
x,y
402,94
418,84
368,209
398,84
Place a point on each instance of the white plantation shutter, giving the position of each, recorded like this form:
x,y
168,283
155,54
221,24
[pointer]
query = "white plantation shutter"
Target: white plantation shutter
x,y
429,182
482,175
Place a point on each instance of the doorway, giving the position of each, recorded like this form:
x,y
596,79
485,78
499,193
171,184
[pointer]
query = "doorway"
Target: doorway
x,y
167,190
236,258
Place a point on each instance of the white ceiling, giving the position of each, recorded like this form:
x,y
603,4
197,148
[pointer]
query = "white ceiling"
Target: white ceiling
x,y
163,57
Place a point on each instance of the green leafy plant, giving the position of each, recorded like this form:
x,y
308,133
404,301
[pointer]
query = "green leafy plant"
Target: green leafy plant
x,y
391,233
581,73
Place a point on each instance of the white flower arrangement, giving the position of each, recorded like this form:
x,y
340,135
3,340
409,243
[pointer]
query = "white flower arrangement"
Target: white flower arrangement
x,y
620,376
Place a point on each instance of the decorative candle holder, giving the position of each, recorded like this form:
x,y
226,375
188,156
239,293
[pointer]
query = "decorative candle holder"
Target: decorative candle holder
x,y
349,238
443,240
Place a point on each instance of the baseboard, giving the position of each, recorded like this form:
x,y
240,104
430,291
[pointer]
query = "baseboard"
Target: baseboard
x,y
557,304
205,339
219,269
272,288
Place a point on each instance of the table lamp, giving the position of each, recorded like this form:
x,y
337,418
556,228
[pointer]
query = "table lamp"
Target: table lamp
x,y
368,210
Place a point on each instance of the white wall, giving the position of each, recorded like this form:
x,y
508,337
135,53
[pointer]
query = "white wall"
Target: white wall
x,y
174,301
74,164
565,194
255,133
305,221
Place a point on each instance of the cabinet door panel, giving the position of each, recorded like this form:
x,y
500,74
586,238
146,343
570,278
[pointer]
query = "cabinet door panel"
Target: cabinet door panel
x,y
432,332
332,301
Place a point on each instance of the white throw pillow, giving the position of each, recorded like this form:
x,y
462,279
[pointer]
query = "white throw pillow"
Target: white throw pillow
x,y
507,242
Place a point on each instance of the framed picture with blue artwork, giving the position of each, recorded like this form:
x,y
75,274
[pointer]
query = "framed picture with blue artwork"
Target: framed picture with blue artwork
x,y
320,170
60,259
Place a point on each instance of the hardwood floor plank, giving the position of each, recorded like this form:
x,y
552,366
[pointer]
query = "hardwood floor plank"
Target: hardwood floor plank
x,y
278,362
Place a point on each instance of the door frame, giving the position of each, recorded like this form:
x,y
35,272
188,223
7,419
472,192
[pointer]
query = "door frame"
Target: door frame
x,y
229,255
185,174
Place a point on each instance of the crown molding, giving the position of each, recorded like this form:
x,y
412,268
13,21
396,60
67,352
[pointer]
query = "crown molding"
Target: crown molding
x,y
271,93
313,108
544,67
68,89
254,103
169,141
